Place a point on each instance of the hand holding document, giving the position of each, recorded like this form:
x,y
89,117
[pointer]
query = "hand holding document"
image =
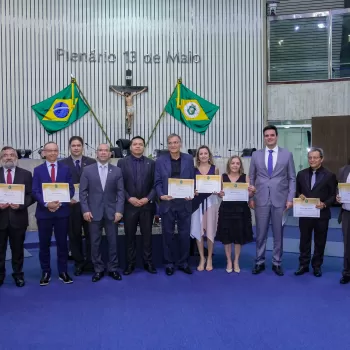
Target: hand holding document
x,y
53,192
12,194
306,208
180,188
235,192
208,183
344,192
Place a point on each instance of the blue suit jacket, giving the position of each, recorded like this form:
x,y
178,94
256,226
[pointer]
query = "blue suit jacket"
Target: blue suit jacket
x,y
163,173
40,176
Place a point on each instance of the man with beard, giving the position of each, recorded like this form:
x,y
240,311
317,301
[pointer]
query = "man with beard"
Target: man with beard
x,y
14,217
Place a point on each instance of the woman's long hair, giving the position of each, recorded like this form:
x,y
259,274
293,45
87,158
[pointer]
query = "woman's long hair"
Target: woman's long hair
x,y
210,161
228,169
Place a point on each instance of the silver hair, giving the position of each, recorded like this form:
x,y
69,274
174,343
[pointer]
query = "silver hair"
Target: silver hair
x,y
316,149
174,135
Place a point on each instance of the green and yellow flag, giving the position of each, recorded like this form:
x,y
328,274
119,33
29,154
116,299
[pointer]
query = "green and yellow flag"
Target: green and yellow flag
x,y
191,109
61,110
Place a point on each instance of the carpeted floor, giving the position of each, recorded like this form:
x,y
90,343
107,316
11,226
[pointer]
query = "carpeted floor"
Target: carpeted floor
x,y
208,310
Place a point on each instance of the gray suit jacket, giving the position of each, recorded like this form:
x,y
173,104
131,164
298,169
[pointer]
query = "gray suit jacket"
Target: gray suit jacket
x,y
101,203
342,177
280,187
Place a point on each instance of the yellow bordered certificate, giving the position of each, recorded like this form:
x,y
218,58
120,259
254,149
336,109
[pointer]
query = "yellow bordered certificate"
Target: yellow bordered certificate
x,y
208,183
306,208
344,192
12,194
235,192
180,188
56,192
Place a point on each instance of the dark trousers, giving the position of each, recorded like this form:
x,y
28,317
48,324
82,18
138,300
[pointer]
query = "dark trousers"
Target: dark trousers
x,y
183,219
133,217
346,233
111,230
76,223
16,238
60,229
320,229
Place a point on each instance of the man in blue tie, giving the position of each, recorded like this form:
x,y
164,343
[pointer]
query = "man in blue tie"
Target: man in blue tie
x,y
315,182
272,173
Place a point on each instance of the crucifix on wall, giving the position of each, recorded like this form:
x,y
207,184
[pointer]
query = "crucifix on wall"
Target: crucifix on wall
x,y
128,91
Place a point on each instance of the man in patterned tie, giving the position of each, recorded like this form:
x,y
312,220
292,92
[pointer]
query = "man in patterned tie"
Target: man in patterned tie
x,y
76,162
315,182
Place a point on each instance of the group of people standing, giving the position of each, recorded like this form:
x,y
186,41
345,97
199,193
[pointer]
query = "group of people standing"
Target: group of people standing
x,y
102,194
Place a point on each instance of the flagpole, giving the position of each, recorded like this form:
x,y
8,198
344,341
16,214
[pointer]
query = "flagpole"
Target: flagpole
x,y
92,112
179,81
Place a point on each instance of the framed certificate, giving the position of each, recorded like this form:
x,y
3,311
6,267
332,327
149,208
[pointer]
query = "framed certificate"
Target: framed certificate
x,y
306,208
180,188
208,183
76,192
344,192
12,194
235,192
53,192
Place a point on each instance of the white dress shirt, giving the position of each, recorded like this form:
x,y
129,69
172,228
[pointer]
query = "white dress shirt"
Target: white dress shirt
x,y
13,170
49,167
274,156
103,172
346,206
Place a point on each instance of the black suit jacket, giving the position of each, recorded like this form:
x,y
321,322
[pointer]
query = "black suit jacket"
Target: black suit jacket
x,y
325,188
147,178
18,218
85,161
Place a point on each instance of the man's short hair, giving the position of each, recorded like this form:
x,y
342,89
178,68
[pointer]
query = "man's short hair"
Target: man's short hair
x,y
76,138
270,127
174,135
138,138
317,149
50,143
6,148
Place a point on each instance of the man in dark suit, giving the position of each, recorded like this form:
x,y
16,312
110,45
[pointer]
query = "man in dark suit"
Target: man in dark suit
x,y
315,182
344,219
52,215
138,175
76,162
14,217
102,204
174,165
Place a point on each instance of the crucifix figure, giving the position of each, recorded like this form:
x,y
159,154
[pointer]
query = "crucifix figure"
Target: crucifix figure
x,y
128,91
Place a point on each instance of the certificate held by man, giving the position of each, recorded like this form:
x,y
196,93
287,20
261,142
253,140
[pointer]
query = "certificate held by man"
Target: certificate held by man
x,y
235,192
344,192
180,188
208,183
12,194
53,192
306,208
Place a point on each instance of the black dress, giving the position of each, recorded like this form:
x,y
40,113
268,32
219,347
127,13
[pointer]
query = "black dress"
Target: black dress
x,y
235,220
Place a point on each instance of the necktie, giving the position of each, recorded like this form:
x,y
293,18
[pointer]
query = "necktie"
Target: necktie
x,y
9,177
137,174
270,163
53,177
103,177
313,179
77,165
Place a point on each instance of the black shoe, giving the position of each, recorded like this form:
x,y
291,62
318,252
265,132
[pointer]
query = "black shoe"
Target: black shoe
x,y
345,280
65,278
169,271
1,282
277,270
78,271
19,281
150,268
258,269
317,272
129,270
97,276
301,270
186,269
115,275
45,279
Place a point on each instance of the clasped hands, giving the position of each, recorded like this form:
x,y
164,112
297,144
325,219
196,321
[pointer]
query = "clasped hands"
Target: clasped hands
x,y
138,202
53,206
12,206
318,206
88,216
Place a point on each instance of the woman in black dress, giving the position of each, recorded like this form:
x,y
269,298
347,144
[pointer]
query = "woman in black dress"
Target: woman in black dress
x,y
235,220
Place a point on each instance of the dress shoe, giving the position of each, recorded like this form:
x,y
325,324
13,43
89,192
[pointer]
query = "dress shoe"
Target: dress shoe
x,y
317,272
186,269
78,271
19,281
169,271
301,270
1,282
258,269
97,276
115,275
150,268
277,270
129,270
45,279
65,278
345,280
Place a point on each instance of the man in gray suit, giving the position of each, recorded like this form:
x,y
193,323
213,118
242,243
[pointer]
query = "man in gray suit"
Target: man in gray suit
x,y
102,204
272,173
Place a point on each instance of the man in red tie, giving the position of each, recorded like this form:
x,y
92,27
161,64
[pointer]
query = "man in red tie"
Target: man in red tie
x,y
14,217
52,215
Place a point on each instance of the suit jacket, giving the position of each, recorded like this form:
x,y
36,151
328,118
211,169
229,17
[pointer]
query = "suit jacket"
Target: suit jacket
x,y
41,175
163,173
342,177
280,187
325,188
101,203
146,178
85,161
18,218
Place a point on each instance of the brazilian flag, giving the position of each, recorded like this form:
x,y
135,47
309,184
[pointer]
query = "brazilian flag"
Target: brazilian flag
x,y
191,109
61,110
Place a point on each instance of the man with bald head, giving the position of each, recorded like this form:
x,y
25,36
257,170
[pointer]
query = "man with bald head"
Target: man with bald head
x,y
102,204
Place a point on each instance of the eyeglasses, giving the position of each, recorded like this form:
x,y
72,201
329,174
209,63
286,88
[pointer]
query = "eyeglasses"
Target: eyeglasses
x,y
173,143
313,158
51,150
